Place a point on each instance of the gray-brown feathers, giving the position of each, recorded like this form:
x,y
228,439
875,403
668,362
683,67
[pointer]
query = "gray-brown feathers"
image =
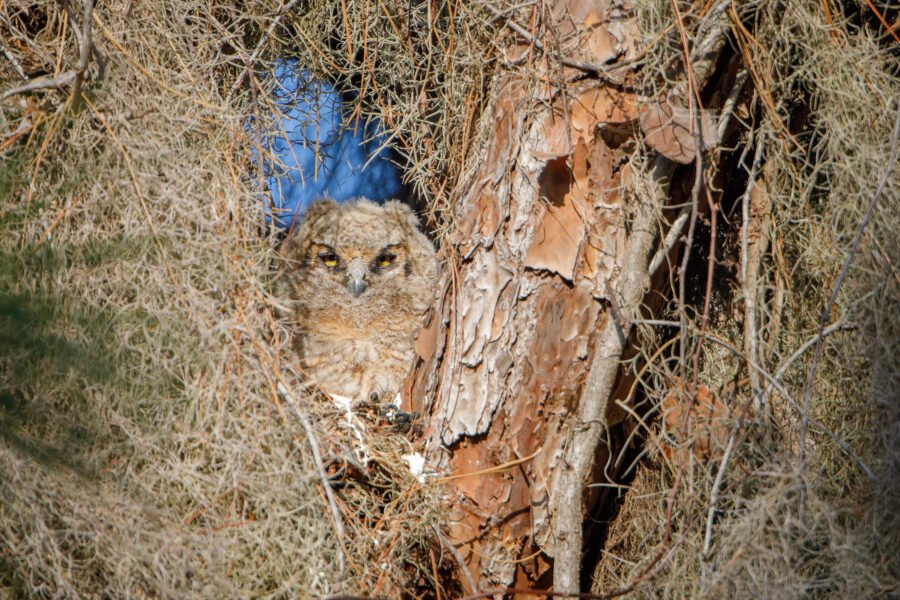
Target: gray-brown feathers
x,y
358,278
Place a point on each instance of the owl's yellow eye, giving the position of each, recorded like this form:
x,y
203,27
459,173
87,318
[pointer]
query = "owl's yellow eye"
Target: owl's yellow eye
x,y
329,259
385,260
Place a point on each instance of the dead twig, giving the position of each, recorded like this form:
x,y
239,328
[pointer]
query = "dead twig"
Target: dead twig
x,y
593,69
75,76
12,59
747,287
85,47
675,230
42,83
459,559
326,484
282,11
826,314
796,406
720,476
833,328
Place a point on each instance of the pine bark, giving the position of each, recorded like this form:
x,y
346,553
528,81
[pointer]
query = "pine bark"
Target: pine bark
x,y
519,369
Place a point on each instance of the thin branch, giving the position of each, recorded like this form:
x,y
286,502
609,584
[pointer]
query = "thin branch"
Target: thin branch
x,y
826,314
74,76
459,560
84,47
672,237
591,68
42,83
688,244
677,227
326,484
12,59
796,406
259,47
748,287
720,476
834,327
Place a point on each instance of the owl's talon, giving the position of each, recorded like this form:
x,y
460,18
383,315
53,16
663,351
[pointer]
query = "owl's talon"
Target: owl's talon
x,y
389,412
393,415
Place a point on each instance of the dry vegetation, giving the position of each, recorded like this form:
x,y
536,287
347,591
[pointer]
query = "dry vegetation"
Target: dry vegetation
x,y
145,450
795,515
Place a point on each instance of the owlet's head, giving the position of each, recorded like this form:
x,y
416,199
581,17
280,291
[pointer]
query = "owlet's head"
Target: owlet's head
x,y
359,252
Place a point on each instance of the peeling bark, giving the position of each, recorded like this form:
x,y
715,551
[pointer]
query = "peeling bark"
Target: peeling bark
x,y
540,236
545,268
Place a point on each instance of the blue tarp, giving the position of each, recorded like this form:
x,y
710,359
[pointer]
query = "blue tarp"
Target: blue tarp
x,y
315,153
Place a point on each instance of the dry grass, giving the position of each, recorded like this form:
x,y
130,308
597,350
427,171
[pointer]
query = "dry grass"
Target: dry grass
x,y
784,528
144,449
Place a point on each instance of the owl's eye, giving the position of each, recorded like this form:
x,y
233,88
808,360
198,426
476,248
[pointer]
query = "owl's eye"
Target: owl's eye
x,y
329,259
385,260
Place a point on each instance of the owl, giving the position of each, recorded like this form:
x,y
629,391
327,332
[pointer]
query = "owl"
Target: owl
x,y
356,282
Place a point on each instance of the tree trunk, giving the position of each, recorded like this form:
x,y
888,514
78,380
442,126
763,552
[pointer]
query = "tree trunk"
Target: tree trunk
x,y
548,264
541,239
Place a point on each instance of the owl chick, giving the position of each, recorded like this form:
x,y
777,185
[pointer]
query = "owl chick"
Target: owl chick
x,y
358,280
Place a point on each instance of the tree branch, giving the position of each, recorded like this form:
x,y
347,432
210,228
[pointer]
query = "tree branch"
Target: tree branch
x,y
74,76
826,314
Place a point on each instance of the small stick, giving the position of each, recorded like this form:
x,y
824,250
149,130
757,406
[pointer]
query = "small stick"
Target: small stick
x,y
723,466
317,455
42,83
459,560
787,395
677,227
581,66
826,314
75,75
259,46
749,294
84,50
720,475
15,63
834,327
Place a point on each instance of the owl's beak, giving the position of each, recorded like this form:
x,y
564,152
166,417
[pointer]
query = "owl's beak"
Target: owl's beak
x,y
356,277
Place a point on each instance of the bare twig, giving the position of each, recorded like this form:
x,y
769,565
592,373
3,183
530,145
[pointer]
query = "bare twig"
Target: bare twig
x,y
677,227
740,81
73,76
826,314
796,406
42,83
748,287
592,68
12,59
326,484
833,328
285,8
720,475
673,236
84,47
689,242
459,560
